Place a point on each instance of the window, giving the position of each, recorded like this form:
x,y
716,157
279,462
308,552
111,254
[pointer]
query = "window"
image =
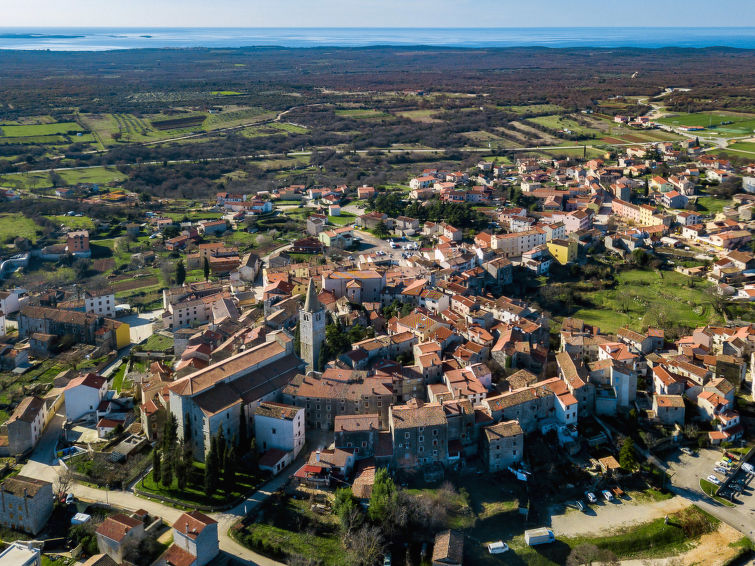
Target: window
x,y
273,431
421,439
406,435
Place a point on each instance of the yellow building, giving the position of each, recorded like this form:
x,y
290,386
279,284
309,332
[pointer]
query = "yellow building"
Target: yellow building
x,y
564,251
122,333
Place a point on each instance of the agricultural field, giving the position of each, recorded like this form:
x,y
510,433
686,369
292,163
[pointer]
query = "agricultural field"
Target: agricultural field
x,y
423,116
533,109
74,222
714,122
362,113
743,146
236,116
712,205
18,131
41,180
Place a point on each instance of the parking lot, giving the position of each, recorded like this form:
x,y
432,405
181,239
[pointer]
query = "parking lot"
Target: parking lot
x,y
686,471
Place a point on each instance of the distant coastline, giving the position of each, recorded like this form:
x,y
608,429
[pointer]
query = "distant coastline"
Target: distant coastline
x,y
104,39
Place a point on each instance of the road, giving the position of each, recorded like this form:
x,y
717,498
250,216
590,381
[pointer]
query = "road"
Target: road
x,y
43,465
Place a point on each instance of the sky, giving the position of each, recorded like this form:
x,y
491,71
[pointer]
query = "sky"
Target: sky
x,y
376,13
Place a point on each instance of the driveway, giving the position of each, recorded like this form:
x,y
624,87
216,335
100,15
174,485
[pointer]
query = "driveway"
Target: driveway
x,y
141,324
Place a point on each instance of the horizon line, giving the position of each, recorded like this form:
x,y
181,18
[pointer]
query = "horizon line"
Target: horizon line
x,y
610,26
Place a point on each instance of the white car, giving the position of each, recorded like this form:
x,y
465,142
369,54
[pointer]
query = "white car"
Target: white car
x,y
607,495
714,480
498,547
721,470
687,451
591,497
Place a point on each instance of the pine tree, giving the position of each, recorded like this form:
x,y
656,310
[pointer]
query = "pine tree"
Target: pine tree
x,y
180,272
166,477
156,466
180,473
206,269
221,449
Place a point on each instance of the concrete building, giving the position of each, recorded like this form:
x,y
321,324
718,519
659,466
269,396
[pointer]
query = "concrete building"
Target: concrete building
x,y
21,554
25,504
669,409
78,243
312,321
25,425
83,394
502,445
100,302
279,426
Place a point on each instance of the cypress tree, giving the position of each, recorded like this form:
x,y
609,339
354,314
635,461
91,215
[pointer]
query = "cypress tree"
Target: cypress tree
x,y
211,468
206,268
229,469
180,473
221,449
166,477
243,437
180,272
156,466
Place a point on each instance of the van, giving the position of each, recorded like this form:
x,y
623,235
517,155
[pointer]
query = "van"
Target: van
x,y
542,535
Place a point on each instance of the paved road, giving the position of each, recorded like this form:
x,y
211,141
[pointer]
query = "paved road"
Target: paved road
x,y
43,465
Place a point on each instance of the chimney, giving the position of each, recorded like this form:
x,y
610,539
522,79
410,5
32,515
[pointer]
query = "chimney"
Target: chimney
x,y
317,456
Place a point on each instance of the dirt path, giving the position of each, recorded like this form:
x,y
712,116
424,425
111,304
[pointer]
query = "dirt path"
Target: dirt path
x,y
605,517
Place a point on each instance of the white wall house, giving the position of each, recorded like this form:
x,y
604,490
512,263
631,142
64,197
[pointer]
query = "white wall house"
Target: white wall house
x,y
279,426
83,394
195,534
101,303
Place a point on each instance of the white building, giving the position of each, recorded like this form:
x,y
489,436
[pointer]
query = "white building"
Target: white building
x,y
83,394
100,302
21,554
9,302
280,427
195,541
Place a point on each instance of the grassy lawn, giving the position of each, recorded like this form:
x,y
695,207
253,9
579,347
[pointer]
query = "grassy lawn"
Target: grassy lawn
x,y
344,219
709,488
14,225
533,109
641,298
743,146
714,121
194,494
157,343
558,122
39,129
119,377
712,205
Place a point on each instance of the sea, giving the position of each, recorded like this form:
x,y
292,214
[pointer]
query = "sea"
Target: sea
x,y
105,39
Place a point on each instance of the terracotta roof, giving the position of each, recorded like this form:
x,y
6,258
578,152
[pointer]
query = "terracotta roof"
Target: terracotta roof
x,y
21,486
27,410
89,380
449,547
117,526
505,429
192,523
355,423
416,413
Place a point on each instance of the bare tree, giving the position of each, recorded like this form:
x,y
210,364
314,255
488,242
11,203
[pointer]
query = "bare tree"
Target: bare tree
x,y
63,482
365,546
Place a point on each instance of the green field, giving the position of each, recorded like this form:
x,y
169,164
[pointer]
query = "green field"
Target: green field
x,y
97,175
712,205
236,117
362,113
743,146
343,220
75,222
290,128
14,225
557,122
225,93
13,131
644,298
533,109
425,116
740,123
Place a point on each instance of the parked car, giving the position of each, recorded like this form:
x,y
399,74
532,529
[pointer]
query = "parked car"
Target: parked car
x,y
70,499
387,560
591,497
498,547
720,470
687,451
713,479
607,495
579,505
542,535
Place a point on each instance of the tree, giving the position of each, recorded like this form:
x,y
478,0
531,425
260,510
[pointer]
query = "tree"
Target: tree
x,y
63,482
383,496
381,230
180,272
243,435
181,472
344,507
221,447
365,546
627,456
170,433
206,269
156,466
587,553
166,470
229,468
211,468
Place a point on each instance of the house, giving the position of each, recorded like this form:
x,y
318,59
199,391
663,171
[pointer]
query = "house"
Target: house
x,y
279,427
341,238
25,425
660,184
9,302
731,239
85,328
25,504
669,409
77,243
563,251
24,554
502,445
213,227
448,549
674,199
83,394
100,302
117,534
420,433
195,541
364,192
